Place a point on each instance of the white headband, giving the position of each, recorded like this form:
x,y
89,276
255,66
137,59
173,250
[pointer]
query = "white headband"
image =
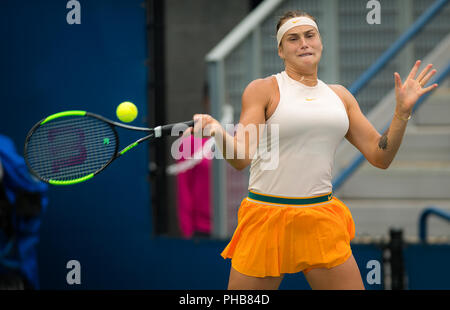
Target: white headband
x,y
294,22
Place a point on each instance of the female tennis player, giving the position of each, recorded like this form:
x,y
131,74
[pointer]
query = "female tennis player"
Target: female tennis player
x,y
290,221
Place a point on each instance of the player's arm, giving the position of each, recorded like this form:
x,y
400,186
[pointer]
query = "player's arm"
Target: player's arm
x,y
255,100
239,149
246,137
361,133
379,150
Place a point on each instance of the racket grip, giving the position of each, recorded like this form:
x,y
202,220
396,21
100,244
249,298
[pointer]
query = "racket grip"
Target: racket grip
x,y
167,129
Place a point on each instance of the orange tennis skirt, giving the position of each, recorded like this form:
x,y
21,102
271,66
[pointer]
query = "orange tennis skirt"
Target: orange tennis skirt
x,y
277,235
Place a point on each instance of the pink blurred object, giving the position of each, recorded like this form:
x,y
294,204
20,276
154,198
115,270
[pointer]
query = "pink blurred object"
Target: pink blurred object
x,y
194,191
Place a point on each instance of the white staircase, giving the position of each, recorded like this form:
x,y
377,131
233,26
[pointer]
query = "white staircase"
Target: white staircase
x,y
418,177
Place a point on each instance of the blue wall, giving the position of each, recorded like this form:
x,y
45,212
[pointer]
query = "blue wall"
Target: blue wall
x,y
47,66
427,266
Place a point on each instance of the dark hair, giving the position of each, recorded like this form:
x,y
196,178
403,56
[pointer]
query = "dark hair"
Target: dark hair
x,y
292,14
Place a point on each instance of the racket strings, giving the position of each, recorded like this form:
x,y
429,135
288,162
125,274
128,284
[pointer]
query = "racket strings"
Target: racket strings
x,y
70,148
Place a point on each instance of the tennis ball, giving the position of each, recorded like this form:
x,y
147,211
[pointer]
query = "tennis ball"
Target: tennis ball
x,y
126,112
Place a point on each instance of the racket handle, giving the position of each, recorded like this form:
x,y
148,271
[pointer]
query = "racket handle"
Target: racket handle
x,y
167,129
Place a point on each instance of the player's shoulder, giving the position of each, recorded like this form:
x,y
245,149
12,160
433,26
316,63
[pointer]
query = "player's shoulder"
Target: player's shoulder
x,y
260,92
337,88
343,93
263,86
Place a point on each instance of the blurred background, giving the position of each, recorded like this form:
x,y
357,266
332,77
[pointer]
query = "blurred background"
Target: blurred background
x,y
151,221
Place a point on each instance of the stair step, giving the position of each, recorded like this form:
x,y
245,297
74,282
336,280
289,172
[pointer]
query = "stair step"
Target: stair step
x,y
419,177
411,179
436,110
422,143
374,217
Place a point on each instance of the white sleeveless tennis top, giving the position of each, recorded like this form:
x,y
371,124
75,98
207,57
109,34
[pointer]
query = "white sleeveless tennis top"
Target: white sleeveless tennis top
x,y
311,121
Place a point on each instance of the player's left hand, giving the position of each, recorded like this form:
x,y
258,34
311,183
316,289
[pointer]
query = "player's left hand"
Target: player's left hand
x,y
409,92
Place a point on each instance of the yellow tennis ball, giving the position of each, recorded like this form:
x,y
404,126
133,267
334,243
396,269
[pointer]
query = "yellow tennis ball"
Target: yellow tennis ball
x,y
126,112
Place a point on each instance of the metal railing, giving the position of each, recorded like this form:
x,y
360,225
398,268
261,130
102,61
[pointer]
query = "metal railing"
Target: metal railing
x,y
378,65
423,220
398,45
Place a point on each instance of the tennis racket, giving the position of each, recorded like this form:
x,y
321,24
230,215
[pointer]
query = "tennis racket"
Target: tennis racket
x,y
73,146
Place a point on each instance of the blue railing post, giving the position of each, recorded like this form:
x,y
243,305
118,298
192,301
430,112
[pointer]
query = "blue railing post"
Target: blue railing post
x,y
423,220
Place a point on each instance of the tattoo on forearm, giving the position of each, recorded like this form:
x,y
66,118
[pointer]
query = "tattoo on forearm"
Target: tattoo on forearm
x,y
383,141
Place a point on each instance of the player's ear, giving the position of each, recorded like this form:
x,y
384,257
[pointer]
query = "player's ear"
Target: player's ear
x,y
280,51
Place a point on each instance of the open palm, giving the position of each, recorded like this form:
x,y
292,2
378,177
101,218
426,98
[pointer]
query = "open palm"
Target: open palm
x,y
409,92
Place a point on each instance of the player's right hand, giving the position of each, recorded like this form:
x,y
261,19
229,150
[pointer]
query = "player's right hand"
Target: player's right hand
x,y
204,126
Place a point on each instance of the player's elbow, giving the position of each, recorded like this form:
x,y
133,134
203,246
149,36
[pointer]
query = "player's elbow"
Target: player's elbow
x,y
381,164
384,167
379,159
239,168
240,164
